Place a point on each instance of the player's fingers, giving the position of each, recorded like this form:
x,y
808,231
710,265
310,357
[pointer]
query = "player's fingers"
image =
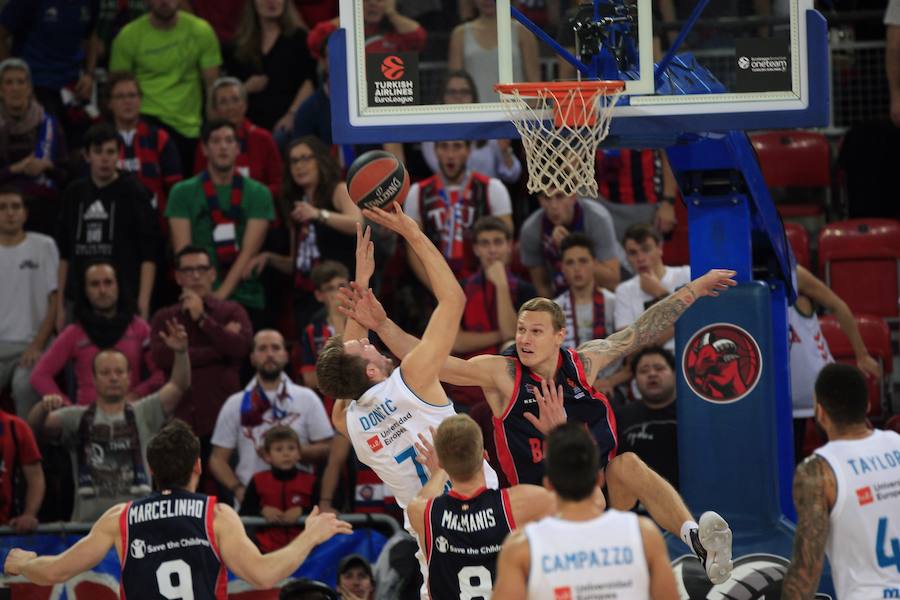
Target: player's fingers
x,y
314,512
533,420
344,527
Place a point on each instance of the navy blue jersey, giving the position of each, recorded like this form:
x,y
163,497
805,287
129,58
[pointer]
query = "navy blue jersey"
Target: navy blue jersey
x,y
463,536
169,548
520,446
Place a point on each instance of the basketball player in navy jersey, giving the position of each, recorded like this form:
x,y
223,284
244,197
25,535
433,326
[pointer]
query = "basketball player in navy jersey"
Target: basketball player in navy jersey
x,y
511,385
461,531
176,543
581,547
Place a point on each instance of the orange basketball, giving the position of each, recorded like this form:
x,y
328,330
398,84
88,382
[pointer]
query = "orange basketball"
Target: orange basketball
x,y
376,179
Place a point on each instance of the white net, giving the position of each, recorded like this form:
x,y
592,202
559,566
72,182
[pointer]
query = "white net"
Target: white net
x,y
561,152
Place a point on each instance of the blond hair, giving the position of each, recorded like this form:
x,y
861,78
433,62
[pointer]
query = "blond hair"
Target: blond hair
x,y
557,318
459,444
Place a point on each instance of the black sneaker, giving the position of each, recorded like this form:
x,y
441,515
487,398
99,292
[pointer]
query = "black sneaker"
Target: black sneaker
x,y
712,545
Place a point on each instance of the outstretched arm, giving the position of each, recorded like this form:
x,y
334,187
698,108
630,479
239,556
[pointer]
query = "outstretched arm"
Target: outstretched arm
x,y
813,287
84,555
596,354
814,492
365,267
243,558
423,363
362,306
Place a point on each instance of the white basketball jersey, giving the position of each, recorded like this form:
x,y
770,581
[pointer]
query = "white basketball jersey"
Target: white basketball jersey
x,y
603,557
863,544
384,425
809,353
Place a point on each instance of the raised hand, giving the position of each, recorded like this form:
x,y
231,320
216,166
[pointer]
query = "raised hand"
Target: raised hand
x,y
651,284
496,274
558,234
361,305
427,456
192,304
365,255
321,527
303,212
394,219
551,411
175,336
715,281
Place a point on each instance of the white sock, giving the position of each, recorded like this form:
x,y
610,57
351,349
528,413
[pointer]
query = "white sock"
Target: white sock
x,y
686,528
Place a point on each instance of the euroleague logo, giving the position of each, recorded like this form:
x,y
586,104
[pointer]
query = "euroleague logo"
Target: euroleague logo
x,y
722,363
392,67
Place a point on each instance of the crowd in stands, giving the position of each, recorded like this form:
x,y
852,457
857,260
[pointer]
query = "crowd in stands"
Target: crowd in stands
x,y
175,227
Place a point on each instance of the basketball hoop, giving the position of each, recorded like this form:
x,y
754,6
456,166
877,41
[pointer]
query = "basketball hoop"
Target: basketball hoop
x,y
561,155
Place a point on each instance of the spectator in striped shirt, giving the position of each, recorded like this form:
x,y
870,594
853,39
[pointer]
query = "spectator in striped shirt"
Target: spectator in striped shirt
x,y
147,151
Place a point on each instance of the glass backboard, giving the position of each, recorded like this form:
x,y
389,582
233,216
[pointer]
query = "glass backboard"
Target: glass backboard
x,y
742,64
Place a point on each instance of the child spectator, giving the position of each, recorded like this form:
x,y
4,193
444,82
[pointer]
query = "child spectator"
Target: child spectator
x,y
21,468
281,494
329,277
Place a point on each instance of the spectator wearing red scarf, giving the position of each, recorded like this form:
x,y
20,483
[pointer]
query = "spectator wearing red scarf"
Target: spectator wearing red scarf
x,y
493,298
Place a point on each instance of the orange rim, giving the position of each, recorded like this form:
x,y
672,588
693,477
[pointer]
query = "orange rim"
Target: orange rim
x,y
537,88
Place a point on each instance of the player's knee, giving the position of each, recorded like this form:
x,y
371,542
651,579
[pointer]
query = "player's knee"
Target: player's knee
x,y
623,466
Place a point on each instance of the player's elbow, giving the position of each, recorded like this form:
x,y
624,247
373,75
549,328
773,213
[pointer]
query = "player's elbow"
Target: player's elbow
x,y
456,300
261,581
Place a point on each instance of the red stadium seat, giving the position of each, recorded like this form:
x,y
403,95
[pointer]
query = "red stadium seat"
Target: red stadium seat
x,y
676,251
877,338
799,240
795,159
860,259
893,424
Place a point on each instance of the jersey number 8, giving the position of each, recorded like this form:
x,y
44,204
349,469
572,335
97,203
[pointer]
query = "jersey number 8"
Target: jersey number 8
x,y
475,583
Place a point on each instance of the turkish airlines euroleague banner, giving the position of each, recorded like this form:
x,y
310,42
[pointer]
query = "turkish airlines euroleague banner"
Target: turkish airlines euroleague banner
x,y
393,78
102,583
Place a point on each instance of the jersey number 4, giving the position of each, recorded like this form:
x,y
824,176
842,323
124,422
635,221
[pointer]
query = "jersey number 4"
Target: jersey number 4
x,y
885,559
179,587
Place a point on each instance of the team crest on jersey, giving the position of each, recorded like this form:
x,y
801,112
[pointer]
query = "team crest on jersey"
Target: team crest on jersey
x,y
722,363
138,548
441,543
576,389
562,593
374,443
864,496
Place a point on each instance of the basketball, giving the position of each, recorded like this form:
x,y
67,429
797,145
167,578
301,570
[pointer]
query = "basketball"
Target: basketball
x,y
376,179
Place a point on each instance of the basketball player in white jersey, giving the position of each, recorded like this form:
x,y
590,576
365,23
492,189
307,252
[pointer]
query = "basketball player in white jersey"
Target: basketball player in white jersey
x,y
150,536
389,407
583,551
809,348
848,498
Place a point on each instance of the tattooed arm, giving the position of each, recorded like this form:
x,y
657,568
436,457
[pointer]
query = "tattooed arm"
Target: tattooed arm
x,y
814,493
596,354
